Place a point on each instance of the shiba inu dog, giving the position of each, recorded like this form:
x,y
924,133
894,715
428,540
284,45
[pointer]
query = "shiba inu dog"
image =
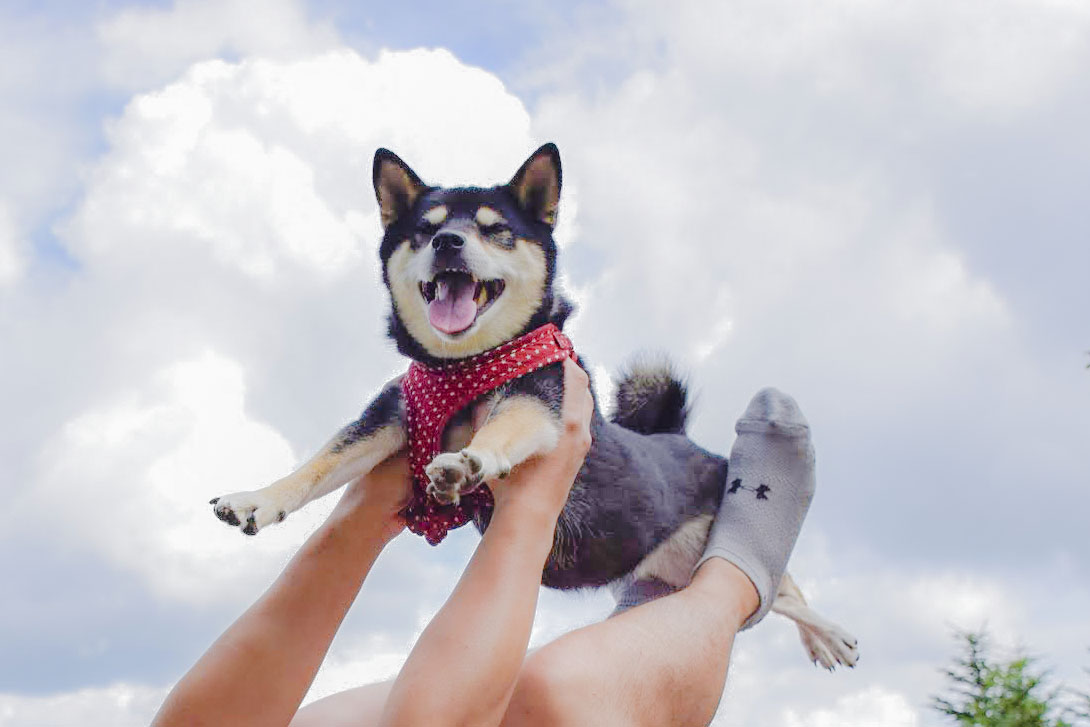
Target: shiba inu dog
x,y
468,270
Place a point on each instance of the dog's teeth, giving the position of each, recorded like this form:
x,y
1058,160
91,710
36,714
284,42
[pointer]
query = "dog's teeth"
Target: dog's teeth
x,y
442,290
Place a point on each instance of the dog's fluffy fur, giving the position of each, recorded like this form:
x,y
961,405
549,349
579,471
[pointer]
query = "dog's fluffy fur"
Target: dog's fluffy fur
x,y
467,269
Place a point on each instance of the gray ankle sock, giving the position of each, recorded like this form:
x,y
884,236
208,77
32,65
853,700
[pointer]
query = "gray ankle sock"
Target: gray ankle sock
x,y
770,482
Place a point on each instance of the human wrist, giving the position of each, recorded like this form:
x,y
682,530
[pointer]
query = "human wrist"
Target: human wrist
x,y
542,483
526,516
366,522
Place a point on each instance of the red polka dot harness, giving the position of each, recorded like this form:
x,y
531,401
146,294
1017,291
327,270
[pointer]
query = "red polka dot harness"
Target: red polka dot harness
x,y
433,395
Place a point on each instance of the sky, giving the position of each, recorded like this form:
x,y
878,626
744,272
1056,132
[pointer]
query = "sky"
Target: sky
x,y
879,208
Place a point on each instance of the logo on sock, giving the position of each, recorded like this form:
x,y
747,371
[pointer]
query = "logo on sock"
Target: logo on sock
x,y
762,490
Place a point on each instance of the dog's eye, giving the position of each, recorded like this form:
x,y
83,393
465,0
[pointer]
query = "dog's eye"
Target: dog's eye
x,y
493,229
426,228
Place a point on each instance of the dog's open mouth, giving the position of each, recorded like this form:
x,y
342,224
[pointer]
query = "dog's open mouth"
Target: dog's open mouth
x,y
455,299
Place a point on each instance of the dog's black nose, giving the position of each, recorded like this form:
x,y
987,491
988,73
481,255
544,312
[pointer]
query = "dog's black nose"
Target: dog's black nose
x,y
447,241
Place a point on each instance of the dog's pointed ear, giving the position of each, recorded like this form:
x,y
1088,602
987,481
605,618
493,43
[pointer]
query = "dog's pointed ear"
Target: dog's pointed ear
x,y
536,185
396,186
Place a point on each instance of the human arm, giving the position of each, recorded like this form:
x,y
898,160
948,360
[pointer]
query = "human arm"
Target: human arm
x,y
463,668
259,670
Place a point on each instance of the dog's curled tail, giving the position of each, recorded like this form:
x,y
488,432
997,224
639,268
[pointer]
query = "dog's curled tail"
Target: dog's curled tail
x,y
651,397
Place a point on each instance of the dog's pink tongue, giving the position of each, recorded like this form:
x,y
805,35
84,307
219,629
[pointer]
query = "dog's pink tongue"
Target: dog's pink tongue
x,y
453,310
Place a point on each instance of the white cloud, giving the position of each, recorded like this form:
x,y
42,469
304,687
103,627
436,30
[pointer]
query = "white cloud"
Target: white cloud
x,y
42,127
223,197
132,479
1007,56
119,705
963,601
751,266
144,46
12,262
763,190
266,165
873,706
930,59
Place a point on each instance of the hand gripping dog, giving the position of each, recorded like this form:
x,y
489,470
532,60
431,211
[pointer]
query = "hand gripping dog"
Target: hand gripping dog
x,y
433,394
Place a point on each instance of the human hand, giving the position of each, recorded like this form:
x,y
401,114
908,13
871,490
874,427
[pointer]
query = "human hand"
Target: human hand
x,y
379,496
544,481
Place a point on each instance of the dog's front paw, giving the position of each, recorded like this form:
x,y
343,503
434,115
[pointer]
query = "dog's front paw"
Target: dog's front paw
x,y
450,474
250,510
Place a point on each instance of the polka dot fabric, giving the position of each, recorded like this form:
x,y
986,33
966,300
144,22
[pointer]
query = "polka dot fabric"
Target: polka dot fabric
x,y
433,394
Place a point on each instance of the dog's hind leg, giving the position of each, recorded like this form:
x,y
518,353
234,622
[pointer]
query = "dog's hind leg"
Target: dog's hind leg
x,y
825,642
353,452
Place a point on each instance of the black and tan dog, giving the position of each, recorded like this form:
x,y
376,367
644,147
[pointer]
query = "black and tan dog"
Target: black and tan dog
x,y
468,269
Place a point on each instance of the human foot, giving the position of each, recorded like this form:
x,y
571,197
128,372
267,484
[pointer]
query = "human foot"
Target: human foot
x,y
770,483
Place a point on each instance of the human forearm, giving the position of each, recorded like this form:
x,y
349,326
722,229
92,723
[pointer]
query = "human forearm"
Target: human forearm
x,y
469,656
463,668
258,671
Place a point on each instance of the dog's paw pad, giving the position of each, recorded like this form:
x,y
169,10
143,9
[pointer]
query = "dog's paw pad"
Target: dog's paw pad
x,y
830,646
485,466
451,474
446,477
249,511
226,514
472,461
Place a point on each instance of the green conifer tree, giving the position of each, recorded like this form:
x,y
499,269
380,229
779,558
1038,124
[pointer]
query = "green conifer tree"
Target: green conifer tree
x,y
987,693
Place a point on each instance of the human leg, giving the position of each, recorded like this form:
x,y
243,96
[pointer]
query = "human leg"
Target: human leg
x,y
693,625
358,707
664,662
606,661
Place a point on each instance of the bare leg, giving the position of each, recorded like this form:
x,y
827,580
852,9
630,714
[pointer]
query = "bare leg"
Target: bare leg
x,y
361,706
665,662
661,663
